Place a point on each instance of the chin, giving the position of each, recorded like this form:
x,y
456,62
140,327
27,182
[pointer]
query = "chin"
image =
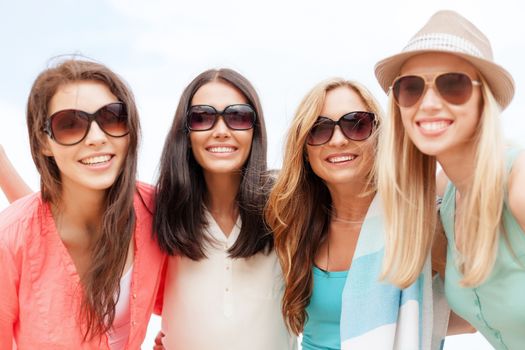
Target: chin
x,y
224,168
102,184
430,150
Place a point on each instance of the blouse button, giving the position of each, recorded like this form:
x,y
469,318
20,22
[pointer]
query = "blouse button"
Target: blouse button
x,y
134,295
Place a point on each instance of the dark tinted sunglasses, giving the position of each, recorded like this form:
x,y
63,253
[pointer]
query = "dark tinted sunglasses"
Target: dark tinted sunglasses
x,y
236,117
455,88
70,126
355,126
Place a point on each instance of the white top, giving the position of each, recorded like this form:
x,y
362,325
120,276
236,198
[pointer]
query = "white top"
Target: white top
x,y
223,303
119,333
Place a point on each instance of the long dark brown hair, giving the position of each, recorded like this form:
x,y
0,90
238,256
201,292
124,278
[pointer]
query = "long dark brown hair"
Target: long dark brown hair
x,y
179,218
298,208
101,282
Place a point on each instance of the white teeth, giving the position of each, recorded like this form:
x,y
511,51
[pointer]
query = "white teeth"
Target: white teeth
x,y
340,159
96,160
221,149
437,125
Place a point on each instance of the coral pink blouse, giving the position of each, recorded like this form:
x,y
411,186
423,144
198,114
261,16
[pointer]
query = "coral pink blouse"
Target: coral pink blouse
x,y
40,290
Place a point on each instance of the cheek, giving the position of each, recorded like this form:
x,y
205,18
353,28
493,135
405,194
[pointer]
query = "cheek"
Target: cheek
x,y
246,141
194,140
369,154
124,144
406,116
313,157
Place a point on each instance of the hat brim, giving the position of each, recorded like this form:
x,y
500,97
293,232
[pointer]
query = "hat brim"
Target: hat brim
x,y
500,81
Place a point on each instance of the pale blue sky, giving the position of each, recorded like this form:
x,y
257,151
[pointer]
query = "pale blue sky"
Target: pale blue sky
x,y
284,47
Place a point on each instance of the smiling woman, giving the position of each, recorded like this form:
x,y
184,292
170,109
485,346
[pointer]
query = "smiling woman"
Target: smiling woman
x,y
223,282
328,225
447,97
74,255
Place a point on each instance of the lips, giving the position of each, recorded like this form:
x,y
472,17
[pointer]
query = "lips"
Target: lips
x,y
434,125
221,149
95,160
341,158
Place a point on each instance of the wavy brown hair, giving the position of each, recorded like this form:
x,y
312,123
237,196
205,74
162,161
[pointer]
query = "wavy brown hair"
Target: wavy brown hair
x,y
101,282
298,209
179,216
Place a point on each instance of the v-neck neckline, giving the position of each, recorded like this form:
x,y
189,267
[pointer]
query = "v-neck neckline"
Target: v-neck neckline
x,y
66,257
216,232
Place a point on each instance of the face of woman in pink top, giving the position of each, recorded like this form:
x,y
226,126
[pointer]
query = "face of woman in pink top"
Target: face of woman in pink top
x,y
220,149
96,161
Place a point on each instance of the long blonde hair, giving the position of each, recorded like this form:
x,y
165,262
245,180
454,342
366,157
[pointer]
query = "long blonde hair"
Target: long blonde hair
x,y
406,180
480,223
298,207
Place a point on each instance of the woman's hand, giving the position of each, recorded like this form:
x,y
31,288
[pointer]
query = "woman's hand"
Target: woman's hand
x,y
158,341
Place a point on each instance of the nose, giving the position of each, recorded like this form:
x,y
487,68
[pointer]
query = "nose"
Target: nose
x,y
95,135
220,129
431,100
338,138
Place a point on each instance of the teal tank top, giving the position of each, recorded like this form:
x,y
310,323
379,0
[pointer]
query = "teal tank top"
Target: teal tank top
x,y
321,331
496,308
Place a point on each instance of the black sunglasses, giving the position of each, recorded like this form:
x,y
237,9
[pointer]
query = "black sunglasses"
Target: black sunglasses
x,y
236,117
356,126
70,126
455,88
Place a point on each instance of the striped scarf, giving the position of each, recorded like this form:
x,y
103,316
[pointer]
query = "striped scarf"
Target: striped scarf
x,y
378,315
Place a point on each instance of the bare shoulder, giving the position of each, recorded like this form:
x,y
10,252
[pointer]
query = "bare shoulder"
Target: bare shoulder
x,y
516,189
441,183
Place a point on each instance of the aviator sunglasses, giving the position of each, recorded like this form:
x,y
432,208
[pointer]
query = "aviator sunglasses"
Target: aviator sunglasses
x,y
70,126
236,117
455,88
356,126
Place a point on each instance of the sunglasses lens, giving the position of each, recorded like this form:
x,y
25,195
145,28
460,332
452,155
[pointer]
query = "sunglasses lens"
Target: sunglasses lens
x,y
408,89
239,117
201,118
321,132
357,126
455,88
69,126
113,119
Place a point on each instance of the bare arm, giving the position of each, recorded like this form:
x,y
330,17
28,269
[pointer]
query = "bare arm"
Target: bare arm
x,y
11,182
517,190
457,325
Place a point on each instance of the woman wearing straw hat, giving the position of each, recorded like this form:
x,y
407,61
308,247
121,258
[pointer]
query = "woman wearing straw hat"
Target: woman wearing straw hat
x,y
445,97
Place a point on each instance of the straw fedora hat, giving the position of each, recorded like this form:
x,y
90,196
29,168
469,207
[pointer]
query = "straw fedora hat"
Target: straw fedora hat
x,y
448,31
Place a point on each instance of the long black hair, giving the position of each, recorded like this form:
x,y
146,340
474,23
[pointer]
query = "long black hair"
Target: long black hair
x,y
179,220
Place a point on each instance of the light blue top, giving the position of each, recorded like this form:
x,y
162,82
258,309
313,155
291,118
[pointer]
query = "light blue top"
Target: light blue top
x,y
321,330
496,308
